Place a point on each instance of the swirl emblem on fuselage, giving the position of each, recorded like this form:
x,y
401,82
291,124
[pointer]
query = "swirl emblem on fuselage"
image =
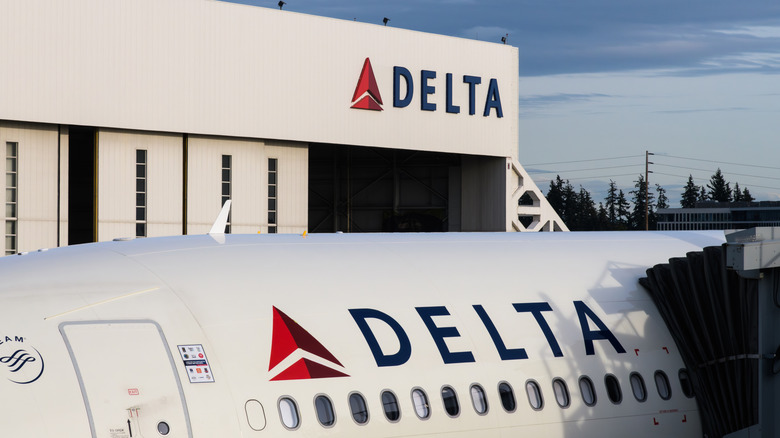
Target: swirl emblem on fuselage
x,y
22,365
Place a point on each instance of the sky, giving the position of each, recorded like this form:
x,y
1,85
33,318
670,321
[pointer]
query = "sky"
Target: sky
x,y
695,82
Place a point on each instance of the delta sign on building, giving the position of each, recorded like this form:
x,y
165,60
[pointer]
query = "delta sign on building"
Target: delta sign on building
x,y
191,81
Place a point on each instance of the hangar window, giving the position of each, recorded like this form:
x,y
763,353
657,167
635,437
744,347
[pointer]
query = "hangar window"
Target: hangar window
x,y
613,389
140,193
638,387
227,184
420,402
662,384
358,407
507,396
561,392
272,199
588,391
324,408
685,382
11,157
534,394
478,399
288,411
390,405
450,399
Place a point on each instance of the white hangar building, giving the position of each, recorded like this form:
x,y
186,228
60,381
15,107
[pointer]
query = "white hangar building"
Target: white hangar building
x,y
124,118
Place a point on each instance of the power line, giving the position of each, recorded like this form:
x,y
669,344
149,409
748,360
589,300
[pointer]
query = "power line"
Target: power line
x,y
730,173
721,162
583,161
582,170
587,177
746,186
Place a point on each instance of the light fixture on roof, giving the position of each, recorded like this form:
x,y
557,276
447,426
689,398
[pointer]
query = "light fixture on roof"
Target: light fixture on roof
x,y
385,20
503,38
281,3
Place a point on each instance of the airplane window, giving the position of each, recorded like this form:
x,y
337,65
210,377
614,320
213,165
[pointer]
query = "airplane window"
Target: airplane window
x,y
478,399
420,401
638,387
450,399
685,383
534,394
561,393
507,396
588,391
288,410
390,404
324,408
357,405
662,383
613,389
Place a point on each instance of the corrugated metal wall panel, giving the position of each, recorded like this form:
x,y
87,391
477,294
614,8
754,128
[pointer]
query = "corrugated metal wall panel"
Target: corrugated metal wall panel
x,y
205,181
117,178
37,183
293,187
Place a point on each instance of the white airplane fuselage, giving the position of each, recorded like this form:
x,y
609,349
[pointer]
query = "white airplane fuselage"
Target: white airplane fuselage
x,y
232,336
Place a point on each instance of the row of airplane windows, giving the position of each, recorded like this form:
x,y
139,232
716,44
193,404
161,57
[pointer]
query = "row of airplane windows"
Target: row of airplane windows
x,y
326,416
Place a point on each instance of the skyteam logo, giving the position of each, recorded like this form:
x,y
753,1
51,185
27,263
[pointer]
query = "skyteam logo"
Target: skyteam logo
x,y
21,363
289,340
366,94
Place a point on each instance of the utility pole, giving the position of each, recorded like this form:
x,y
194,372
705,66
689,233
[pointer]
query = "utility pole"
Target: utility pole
x,y
647,189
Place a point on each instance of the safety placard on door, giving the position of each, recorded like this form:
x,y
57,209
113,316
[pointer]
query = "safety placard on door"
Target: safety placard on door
x,y
196,363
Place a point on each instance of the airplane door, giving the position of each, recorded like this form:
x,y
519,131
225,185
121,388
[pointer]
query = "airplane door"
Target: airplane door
x,y
128,379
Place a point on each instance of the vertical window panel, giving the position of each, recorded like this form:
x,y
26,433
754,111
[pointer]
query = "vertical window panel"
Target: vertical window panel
x,y
272,190
140,192
227,185
11,188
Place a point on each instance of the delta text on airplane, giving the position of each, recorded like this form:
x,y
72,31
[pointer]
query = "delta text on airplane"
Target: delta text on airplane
x,y
447,335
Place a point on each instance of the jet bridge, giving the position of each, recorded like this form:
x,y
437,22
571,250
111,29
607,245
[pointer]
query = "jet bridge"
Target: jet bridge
x,y
722,306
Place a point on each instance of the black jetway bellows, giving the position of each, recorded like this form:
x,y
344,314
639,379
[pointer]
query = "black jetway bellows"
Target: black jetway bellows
x,y
712,313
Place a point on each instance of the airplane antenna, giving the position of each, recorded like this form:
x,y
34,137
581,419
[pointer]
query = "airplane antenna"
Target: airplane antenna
x,y
221,223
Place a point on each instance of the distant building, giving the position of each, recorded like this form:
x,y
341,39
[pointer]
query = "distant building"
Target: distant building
x,y
720,216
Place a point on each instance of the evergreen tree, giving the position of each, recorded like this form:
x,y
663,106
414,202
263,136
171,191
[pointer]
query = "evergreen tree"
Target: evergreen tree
x,y
641,196
555,195
611,200
690,194
603,223
663,201
623,211
719,189
703,194
737,193
586,216
746,196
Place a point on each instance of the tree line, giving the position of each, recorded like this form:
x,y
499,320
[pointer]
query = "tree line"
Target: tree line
x,y
620,212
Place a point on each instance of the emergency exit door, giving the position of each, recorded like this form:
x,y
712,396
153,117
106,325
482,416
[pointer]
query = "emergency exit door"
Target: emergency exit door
x,y
128,379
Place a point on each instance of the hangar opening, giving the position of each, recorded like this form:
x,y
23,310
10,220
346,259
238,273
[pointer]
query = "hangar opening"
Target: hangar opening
x,y
363,189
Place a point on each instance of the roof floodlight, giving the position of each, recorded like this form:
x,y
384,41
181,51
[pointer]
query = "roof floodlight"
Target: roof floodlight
x,y
281,3
503,38
385,20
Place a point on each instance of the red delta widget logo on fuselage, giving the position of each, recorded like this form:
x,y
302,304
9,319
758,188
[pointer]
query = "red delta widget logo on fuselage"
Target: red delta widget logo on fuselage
x,y
290,338
368,97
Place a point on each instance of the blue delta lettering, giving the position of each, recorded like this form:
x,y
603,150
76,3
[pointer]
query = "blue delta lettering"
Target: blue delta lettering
x,y
427,89
585,315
